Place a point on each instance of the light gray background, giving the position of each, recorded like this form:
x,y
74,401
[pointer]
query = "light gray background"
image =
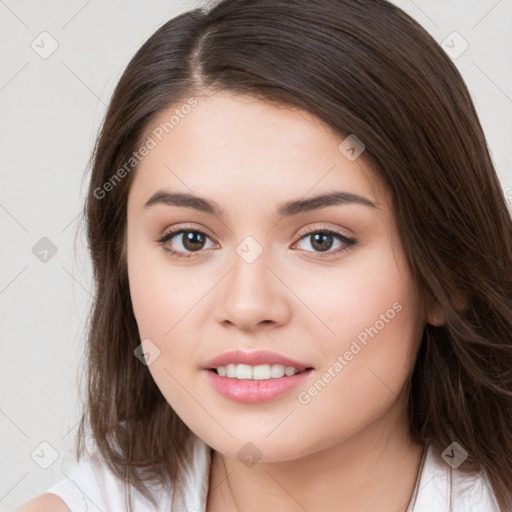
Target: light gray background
x,y
50,111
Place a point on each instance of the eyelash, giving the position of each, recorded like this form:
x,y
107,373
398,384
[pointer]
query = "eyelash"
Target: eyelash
x,y
349,242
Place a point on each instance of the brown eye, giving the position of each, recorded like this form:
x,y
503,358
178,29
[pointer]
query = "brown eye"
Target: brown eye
x,y
322,240
193,240
182,241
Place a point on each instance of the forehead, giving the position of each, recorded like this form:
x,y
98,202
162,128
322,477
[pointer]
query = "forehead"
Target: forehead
x,y
239,144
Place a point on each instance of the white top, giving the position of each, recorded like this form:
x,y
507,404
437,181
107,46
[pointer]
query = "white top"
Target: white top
x,y
92,487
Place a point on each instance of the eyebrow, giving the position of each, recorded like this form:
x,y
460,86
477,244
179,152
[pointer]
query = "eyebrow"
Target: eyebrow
x,y
286,209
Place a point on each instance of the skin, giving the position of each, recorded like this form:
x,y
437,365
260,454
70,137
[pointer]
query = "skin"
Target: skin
x,y
350,447
44,503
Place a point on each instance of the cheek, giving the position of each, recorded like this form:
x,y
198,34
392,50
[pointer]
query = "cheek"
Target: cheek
x,y
162,300
171,303
371,312
371,292
168,305
161,293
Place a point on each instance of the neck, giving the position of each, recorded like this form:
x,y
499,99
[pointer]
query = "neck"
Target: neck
x,y
375,469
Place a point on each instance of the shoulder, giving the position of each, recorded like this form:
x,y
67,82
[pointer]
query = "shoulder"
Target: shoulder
x,y
443,488
45,503
473,492
91,485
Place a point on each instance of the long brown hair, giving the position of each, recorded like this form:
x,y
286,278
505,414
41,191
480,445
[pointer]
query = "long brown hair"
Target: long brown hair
x,y
364,68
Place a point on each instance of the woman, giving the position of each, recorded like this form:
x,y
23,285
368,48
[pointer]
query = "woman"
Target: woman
x,y
303,263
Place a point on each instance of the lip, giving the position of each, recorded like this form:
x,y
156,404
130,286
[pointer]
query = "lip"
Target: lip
x,y
248,391
254,391
254,358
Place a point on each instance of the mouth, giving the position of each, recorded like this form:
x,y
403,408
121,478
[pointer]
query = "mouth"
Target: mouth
x,y
258,372
256,376
249,389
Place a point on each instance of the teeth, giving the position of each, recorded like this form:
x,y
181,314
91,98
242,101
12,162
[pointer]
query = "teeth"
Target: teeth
x,y
260,372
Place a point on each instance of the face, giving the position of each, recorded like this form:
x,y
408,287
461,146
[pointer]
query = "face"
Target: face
x,y
324,283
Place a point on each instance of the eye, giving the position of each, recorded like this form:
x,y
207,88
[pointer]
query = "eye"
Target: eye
x,y
189,239
193,240
323,239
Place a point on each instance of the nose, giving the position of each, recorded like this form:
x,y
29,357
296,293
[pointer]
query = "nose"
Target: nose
x,y
253,296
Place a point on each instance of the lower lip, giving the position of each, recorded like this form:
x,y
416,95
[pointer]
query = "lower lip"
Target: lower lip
x,y
254,391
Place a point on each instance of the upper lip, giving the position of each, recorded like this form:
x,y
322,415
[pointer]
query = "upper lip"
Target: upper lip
x,y
254,358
